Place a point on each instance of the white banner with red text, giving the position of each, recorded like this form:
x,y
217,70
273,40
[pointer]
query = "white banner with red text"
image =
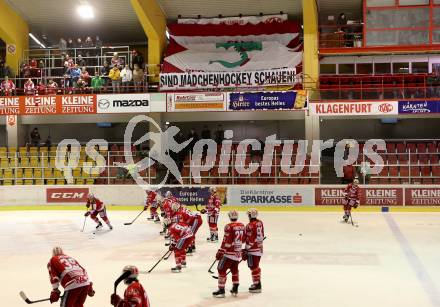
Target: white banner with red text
x,y
353,108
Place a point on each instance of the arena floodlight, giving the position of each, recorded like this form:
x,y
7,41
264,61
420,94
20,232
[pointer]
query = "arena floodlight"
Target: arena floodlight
x,y
36,40
85,11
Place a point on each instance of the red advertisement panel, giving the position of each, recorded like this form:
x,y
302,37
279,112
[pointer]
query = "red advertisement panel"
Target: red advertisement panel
x,y
371,196
422,196
66,195
9,105
77,104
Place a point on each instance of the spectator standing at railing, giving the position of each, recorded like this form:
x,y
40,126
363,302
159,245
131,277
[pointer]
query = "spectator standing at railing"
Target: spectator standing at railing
x,y
75,73
98,42
97,83
41,88
219,134
85,75
62,45
206,133
48,142
33,63
117,60
88,42
68,61
52,87
127,76
5,70
70,43
105,71
79,43
7,87
137,58
25,70
80,61
35,137
138,77
29,87
115,76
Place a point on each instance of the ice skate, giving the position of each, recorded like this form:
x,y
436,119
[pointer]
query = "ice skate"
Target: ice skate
x,y
255,288
220,293
234,290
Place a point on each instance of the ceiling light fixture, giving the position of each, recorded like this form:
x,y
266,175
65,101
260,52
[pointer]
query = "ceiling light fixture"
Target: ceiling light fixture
x,y
85,11
36,40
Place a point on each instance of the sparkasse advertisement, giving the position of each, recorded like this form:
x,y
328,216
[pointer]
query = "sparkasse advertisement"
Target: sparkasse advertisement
x,y
281,196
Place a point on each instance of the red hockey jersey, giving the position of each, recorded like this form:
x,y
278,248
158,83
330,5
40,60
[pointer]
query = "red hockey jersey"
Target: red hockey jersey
x,y
352,192
254,237
179,231
213,205
96,205
68,272
151,198
135,296
233,240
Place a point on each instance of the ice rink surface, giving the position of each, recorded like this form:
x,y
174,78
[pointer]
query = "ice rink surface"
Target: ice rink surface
x,y
311,259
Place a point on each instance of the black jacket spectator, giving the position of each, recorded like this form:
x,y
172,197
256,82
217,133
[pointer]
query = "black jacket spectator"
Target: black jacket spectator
x,y
206,133
138,59
35,137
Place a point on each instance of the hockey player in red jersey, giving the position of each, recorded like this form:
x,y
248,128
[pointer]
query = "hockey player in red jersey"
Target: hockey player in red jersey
x,y
134,295
212,210
254,236
166,210
351,198
96,207
67,272
230,254
192,219
152,203
181,238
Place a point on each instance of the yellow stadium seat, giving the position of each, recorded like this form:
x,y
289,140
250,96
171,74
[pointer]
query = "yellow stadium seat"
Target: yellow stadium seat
x,y
44,161
79,181
77,173
28,173
52,162
19,173
33,149
28,182
7,182
18,182
38,172
7,173
39,182
34,162
58,174
4,163
61,182
13,162
43,150
48,173
22,151
24,162
3,152
90,181
50,181
12,150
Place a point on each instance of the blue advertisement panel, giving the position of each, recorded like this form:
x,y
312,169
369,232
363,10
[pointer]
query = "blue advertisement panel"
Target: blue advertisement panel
x,y
419,106
188,196
267,101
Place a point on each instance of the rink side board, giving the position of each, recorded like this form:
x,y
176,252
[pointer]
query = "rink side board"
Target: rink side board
x,y
319,198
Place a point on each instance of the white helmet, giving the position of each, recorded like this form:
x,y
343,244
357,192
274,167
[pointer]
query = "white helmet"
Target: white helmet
x,y
252,213
213,190
356,181
175,206
90,196
57,251
233,215
168,194
134,272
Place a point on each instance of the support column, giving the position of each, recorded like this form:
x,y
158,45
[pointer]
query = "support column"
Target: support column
x,y
311,65
153,22
14,131
14,31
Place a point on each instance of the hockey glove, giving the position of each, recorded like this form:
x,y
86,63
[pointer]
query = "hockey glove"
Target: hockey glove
x,y
115,299
87,213
91,291
244,255
220,254
54,296
203,211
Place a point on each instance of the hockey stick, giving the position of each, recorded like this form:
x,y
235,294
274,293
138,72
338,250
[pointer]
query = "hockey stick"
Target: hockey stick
x,y
84,225
120,278
28,301
197,208
212,265
134,218
351,218
162,258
